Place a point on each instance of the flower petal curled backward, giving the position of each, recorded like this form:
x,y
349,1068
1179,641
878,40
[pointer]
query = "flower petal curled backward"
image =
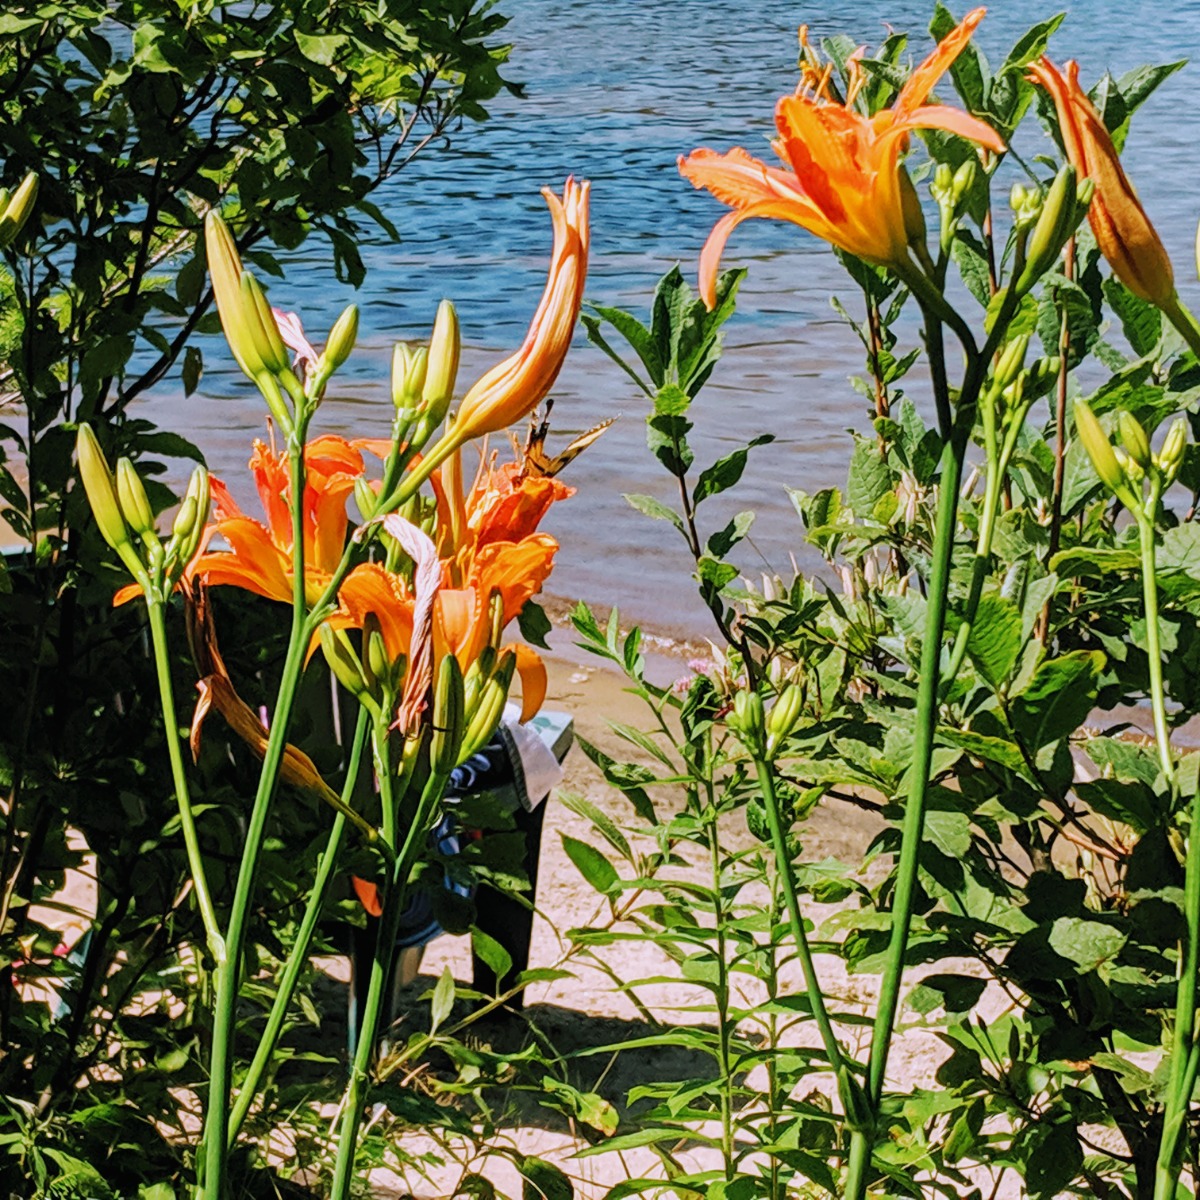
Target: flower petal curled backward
x,y
368,896
534,681
514,388
426,581
1123,231
845,182
292,331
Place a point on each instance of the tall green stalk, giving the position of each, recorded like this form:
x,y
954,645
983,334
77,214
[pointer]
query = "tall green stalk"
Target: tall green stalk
x,y
187,819
298,955
956,432
395,895
216,1124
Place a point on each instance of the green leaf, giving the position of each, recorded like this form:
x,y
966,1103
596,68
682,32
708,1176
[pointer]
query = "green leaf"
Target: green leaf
x,y
869,477
1059,697
725,472
1055,1161
1140,320
648,506
491,952
541,1180
443,1000
724,540
193,368
1032,44
592,865
996,638
534,624
949,830
1088,944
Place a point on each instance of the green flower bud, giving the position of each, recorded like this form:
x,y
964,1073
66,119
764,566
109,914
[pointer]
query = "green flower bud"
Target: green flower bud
x,y
784,715
442,371
341,339
1012,360
188,526
261,327
101,490
408,376
15,209
489,708
914,215
131,494
365,498
748,721
1099,448
1055,224
378,662
342,660
1170,457
1135,440
964,177
448,717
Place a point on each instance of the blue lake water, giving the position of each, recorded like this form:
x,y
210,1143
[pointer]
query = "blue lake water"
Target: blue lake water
x,y
616,90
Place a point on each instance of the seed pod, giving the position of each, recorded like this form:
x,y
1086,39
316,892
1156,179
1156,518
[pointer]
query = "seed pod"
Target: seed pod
x,y
131,494
101,490
342,337
1134,438
448,717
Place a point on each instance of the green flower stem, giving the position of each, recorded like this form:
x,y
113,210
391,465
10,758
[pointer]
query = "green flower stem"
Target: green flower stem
x,y
1184,1060
956,431
187,820
216,1124
812,982
298,956
395,895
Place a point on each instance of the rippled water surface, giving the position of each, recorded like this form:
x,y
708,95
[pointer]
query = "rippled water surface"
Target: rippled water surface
x,y
616,90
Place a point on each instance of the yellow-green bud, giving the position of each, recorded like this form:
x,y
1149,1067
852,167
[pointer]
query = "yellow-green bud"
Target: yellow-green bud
x,y
131,494
749,721
442,371
914,216
341,340
101,490
408,376
1170,457
446,738
262,326
377,656
1131,469
15,209
783,717
943,182
1099,448
489,708
964,177
365,497
189,523
342,660
1059,216
1012,359
1135,440
496,619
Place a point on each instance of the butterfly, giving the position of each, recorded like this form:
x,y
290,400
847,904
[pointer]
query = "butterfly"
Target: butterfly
x,y
537,463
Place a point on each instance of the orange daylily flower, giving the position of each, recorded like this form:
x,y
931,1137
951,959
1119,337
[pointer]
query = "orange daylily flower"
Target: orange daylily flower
x,y
1123,231
843,179
260,556
515,387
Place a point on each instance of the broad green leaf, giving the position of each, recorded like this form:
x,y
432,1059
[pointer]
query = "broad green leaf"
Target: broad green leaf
x,y
1059,697
592,865
491,952
541,1180
443,1000
996,638
1087,943
648,506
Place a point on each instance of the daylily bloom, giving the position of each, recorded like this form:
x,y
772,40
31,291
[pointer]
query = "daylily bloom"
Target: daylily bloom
x,y
261,557
1123,231
843,179
515,387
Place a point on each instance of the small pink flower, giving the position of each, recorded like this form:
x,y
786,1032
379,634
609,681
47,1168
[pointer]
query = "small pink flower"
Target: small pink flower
x,y
292,332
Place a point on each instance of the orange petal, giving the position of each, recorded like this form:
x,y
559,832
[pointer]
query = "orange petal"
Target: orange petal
x,y
922,81
368,896
954,120
131,591
534,681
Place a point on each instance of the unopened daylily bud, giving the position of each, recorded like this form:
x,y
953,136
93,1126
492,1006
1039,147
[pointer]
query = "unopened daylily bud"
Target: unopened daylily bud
x,y
1083,196
1131,470
489,708
15,209
964,177
342,337
1170,457
377,656
749,721
943,182
365,497
101,490
444,348
189,522
496,619
1044,369
342,660
1099,448
131,495
260,319
784,715
1011,361
448,717
1134,438
1059,216
408,376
